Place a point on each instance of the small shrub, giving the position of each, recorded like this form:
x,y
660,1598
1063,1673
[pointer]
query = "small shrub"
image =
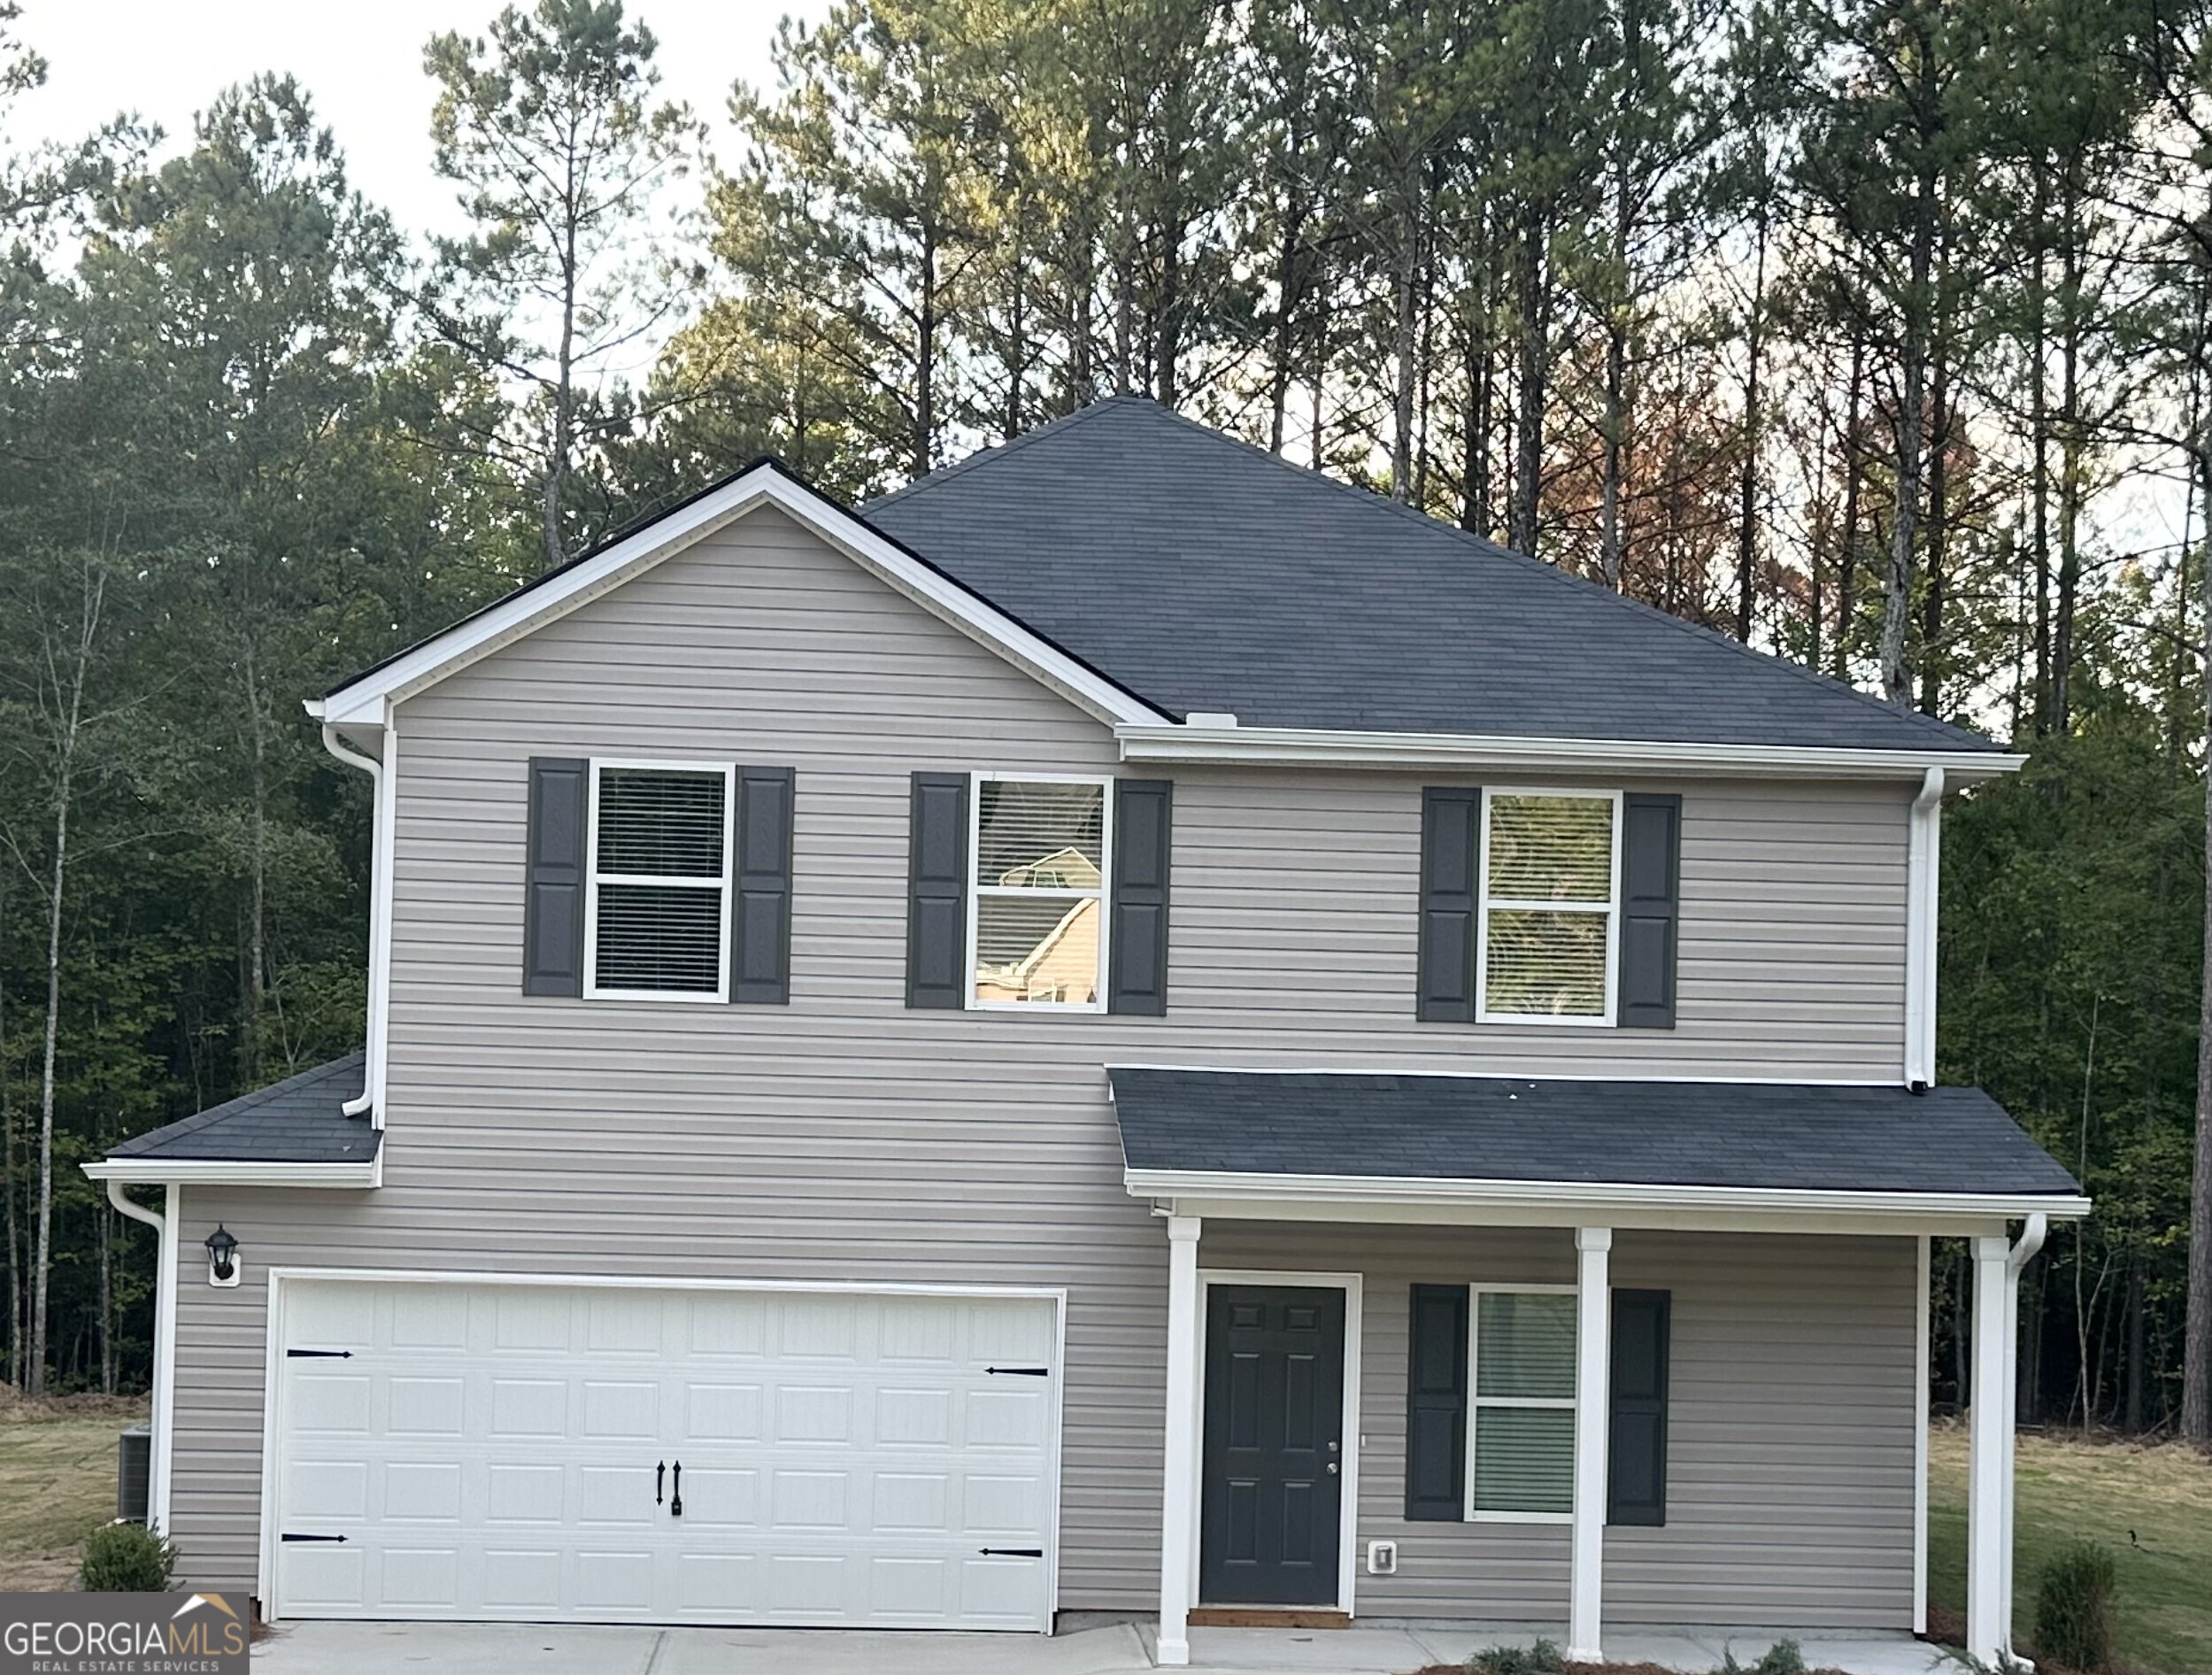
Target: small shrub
x,y
2073,1606
1543,1658
127,1558
1784,1657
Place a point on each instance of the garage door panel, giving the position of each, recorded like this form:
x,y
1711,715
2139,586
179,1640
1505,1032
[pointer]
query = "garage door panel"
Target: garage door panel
x,y
522,1578
519,1493
528,1407
849,1471
723,1413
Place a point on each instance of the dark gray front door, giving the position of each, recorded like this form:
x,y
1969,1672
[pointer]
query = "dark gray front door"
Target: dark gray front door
x,y
1274,1454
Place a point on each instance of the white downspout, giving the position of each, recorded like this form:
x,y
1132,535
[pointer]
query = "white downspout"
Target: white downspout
x,y
2023,1253
163,1421
380,907
1922,874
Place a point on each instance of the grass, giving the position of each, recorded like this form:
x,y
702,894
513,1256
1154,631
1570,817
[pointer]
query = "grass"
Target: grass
x,y
2151,1505
57,1484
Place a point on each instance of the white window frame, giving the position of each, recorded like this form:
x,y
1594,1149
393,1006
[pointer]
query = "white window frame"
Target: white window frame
x,y
593,878
1484,904
977,890
1475,1403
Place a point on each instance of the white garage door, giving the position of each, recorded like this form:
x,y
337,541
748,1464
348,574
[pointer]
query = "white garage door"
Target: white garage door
x,y
447,1450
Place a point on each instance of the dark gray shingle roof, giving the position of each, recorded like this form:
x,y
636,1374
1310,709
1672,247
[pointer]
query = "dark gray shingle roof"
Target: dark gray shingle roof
x,y
1880,1139
1204,575
295,1121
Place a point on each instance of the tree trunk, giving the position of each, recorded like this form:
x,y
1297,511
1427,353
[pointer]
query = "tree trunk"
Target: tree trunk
x,y
1847,558
2069,474
103,1222
2039,476
42,1253
1931,599
1408,263
1528,478
1475,504
925,360
1747,487
2196,1379
8,1184
1897,674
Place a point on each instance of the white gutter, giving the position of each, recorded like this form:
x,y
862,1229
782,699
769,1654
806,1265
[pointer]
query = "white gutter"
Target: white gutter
x,y
1924,862
207,1172
163,1421
1577,1196
370,1101
1195,741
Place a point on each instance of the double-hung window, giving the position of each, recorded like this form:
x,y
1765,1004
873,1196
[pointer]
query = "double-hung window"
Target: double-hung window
x,y
1521,1416
656,915
1038,848
1550,904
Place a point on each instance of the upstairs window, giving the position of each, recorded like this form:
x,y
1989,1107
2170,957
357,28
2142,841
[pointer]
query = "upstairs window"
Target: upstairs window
x,y
657,924
1550,907
1036,928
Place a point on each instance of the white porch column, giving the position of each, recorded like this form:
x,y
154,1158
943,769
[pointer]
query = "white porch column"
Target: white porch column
x,y
1179,1476
1593,1379
1988,1509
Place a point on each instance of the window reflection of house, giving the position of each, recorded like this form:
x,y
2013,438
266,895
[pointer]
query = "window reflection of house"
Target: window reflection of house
x,y
1067,869
1044,950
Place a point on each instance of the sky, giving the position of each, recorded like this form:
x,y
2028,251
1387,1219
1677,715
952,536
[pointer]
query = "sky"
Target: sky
x,y
164,59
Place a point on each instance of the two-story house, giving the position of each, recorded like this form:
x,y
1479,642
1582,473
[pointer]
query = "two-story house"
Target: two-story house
x,y
1127,1029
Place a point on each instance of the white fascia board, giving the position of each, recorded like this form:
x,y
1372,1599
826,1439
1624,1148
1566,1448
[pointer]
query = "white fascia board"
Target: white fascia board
x,y
367,700
197,1171
1472,752
1578,1197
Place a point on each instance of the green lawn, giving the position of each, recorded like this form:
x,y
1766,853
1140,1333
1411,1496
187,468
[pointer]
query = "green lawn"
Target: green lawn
x,y
2101,1490
56,1485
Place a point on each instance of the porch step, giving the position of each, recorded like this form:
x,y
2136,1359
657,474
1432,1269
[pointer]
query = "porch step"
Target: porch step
x,y
1268,1616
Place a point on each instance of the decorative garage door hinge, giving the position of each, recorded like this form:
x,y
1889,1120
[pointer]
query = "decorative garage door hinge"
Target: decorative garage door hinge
x,y
1012,1552
1026,1372
289,1536
319,1354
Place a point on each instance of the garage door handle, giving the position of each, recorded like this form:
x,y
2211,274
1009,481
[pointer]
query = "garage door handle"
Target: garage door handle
x,y
675,1500
1012,1552
661,1475
1025,1372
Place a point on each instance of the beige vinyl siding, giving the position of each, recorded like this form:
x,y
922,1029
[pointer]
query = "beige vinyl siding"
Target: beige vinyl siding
x,y
1790,1426
845,1137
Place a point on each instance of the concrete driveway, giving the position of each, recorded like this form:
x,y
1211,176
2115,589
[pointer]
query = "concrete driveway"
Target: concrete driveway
x,y
1121,1649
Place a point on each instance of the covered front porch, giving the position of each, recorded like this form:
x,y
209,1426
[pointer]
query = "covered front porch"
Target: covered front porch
x,y
1516,1379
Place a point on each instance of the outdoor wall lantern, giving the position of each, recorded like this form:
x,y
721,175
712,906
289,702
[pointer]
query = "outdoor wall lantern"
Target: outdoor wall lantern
x,y
222,1257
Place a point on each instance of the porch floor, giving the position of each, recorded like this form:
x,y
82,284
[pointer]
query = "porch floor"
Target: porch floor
x,y
1110,1649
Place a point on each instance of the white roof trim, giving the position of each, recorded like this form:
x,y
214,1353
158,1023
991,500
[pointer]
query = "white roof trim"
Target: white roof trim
x,y
204,1171
367,700
1584,1196
1151,742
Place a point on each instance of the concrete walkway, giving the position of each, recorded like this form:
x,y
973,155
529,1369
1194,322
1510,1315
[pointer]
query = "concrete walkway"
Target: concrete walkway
x,y
1119,1649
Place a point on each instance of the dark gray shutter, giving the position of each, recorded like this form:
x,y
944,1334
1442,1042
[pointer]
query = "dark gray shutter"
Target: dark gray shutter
x,y
552,894
1436,1405
1651,889
936,892
760,918
1137,959
1450,857
1636,1479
